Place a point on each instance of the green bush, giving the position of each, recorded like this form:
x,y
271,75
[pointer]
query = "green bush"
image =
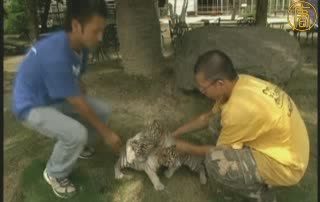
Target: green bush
x,y
16,21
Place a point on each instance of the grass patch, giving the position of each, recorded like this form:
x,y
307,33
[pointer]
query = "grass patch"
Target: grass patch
x,y
135,100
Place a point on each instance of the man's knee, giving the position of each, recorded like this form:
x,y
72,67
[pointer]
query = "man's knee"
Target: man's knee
x,y
220,168
79,135
103,109
232,168
105,113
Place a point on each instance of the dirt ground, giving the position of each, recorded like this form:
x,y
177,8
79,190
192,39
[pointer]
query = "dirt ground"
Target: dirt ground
x,y
134,101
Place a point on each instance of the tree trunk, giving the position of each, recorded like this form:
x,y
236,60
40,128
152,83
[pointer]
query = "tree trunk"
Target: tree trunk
x,y
44,16
262,13
32,8
235,5
5,15
139,37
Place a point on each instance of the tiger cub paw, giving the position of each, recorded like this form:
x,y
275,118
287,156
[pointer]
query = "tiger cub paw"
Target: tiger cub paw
x,y
119,176
159,187
203,178
168,173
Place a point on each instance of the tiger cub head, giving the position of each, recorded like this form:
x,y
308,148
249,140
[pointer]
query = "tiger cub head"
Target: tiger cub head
x,y
142,144
167,156
153,131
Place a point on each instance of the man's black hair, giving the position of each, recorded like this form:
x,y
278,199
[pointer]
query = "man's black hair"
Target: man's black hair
x,y
83,10
215,64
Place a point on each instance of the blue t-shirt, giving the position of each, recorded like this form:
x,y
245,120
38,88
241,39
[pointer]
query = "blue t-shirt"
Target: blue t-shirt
x,y
48,74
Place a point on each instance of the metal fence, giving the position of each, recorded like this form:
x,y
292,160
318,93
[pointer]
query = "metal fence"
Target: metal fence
x,y
225,7
57,11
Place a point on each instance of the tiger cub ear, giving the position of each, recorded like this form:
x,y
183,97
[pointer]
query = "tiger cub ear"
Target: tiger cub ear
x,y
148,122
152,122
134,142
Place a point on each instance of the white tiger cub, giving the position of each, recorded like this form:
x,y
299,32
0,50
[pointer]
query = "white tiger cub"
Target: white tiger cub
x,y
152,148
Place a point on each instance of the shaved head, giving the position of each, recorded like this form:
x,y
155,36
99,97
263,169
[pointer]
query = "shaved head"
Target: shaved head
x,y
215,65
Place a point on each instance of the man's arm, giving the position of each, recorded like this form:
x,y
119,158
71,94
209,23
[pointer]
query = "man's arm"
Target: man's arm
x,y
61,83
198,123
87,112
186,147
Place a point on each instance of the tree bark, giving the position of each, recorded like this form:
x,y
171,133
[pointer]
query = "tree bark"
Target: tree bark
x,y
44,16
262,13
5,15
235,5
32,12
139,36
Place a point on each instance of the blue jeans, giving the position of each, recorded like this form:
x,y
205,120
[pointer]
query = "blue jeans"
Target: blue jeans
x,y
62,123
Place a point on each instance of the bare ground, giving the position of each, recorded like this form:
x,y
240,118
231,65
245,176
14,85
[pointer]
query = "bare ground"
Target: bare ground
x,y
134,101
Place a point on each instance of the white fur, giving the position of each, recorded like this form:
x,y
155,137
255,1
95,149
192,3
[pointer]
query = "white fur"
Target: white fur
x,y
151,164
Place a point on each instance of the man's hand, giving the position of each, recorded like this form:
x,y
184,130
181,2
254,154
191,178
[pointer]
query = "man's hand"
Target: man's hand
x,y
175,134
186,147
89,115
114,141
198,123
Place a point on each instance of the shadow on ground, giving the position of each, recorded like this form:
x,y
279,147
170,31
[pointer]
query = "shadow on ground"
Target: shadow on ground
x,y
134,101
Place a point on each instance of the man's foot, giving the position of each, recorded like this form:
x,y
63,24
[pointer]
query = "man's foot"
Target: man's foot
x,y
87,153
62,187
266,195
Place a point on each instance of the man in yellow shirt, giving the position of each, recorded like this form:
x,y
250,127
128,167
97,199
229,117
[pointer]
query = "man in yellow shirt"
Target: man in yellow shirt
x,y
262,141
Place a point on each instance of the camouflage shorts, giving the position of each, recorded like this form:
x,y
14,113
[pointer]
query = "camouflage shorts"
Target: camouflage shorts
x,y
236,170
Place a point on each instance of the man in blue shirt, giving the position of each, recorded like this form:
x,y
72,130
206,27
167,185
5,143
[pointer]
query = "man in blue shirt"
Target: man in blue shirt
x,y
49,96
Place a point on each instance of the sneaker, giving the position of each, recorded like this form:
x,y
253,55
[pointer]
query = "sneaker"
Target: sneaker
x,y
87,153
62,187
266,195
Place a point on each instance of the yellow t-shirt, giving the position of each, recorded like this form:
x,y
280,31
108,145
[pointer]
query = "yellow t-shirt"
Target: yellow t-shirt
x,y
263,117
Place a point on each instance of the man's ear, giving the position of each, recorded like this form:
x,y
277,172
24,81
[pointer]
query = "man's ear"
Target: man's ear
x,y
76,26
220,82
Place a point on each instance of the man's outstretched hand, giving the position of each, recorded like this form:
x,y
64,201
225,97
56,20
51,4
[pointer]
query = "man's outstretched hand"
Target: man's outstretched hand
x,y
90,115
114,141
183,146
